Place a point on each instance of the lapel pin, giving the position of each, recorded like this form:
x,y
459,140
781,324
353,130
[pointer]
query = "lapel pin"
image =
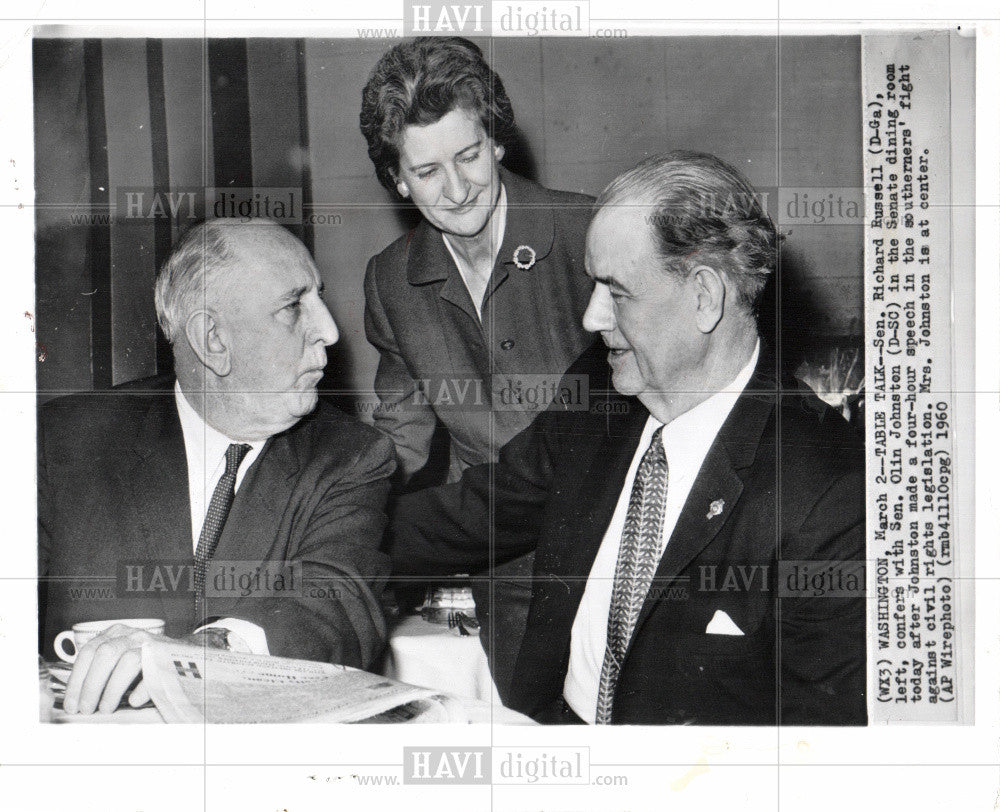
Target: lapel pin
x,y
524,257
715,508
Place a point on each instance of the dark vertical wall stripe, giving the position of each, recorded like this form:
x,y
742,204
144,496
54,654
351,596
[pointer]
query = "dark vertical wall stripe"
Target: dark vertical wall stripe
x,y
99,239
161,174
63,289
126,108
308,236
189,130
227,67
272,82
158,143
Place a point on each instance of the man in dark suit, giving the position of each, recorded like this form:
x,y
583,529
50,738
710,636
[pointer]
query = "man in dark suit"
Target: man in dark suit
x,y
676,523
189,497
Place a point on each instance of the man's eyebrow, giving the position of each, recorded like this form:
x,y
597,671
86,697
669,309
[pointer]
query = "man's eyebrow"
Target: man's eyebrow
x,y
479,143
293,295
610,281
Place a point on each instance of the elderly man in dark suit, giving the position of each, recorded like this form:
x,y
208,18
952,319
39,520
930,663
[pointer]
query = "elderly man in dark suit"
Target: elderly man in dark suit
x,y
187,488
674,521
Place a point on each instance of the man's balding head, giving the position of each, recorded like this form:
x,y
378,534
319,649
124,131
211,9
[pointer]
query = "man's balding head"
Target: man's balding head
x,y
241,304
194,270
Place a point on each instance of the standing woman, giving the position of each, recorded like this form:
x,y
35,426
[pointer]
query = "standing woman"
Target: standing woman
x,y
489,287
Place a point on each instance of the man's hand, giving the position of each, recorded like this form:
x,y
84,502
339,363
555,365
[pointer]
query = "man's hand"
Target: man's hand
x,y
104,670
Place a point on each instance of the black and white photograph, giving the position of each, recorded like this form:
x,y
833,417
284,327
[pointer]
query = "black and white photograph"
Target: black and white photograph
x,y
455,377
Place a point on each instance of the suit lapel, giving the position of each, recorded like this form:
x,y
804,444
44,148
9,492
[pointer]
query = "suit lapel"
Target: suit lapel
x,y
601,476
718,486
587,487
529,222
157,488
261,502
158,481
428,261
566,554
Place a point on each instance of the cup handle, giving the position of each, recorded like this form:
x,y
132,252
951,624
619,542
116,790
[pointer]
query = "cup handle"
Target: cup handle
x,y
61,652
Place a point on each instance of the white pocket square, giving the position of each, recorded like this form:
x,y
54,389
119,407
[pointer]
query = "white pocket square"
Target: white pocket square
x,y
721,623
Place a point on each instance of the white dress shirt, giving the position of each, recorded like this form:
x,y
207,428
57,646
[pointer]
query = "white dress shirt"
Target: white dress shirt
x,y
205,449
499,217
686,441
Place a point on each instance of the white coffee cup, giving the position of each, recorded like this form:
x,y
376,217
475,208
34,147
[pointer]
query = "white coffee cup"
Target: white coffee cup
x,y
83,633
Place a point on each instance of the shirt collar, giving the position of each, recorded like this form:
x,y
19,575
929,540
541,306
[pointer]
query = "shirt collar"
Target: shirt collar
x,y
691,434
500,215
206,442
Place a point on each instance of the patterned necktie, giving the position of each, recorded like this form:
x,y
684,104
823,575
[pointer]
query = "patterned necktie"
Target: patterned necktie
x,y
215,520
638,558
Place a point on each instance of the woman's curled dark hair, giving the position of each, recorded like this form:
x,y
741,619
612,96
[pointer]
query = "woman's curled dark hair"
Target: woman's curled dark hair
x,y
420,81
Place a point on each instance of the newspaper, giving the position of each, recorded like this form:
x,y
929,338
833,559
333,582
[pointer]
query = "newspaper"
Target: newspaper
x,y
196,685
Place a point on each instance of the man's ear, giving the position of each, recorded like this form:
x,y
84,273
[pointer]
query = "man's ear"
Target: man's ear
x,y
710,290
203,335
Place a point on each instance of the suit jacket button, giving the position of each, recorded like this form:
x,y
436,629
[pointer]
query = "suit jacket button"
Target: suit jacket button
x,y
506,344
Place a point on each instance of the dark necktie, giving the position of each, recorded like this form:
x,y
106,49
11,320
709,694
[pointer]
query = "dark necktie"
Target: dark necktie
x,y
638,558
215,520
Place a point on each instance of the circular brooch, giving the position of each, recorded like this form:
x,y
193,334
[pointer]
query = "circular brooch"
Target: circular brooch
x,y
524,257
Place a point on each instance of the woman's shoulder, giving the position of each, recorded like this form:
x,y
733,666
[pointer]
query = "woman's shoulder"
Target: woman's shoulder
x,y
522,187
391,259
576,199
571,211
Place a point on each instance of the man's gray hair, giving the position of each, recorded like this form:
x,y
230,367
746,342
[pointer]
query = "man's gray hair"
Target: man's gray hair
x,y
180,285
704,213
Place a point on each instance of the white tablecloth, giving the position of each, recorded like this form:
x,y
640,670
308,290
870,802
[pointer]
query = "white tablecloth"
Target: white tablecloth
x,y
434,656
